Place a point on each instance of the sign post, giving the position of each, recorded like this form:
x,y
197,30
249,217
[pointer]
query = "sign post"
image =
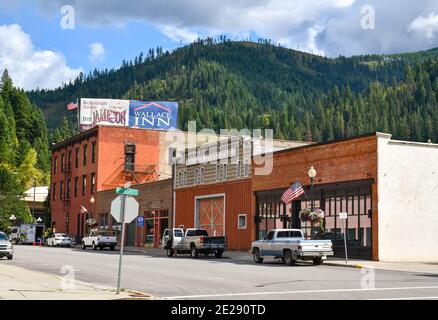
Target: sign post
x,y
343,216
124,210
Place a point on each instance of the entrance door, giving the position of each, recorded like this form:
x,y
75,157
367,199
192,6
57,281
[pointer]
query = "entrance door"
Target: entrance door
x,y
130,233
210,215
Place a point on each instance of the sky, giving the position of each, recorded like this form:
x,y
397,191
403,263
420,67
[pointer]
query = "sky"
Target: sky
x,y
44,43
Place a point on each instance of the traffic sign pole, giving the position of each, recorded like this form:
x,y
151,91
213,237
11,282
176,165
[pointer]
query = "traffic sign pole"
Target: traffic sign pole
x,y
122,240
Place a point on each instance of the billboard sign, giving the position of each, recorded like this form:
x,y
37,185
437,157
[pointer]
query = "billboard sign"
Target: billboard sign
x,y
158,115
153,115
103,111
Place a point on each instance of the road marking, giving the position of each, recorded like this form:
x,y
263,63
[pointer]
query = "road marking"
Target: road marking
x,y
295,292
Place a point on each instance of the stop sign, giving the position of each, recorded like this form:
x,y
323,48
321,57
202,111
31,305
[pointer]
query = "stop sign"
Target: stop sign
x,y
131,209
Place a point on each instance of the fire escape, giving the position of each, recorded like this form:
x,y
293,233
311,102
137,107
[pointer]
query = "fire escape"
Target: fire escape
x,y
131,171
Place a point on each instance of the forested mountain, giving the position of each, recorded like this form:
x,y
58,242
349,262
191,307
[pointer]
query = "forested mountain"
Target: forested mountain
x,y
24,149
225,84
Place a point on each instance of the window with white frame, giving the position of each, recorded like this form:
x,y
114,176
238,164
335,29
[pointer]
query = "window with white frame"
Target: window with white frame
x,y
201,175
218,172
246,167
238,169
225,171
195,176
241,221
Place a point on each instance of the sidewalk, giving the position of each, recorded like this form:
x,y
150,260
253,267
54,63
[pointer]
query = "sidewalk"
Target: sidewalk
x,y
420,267
21,284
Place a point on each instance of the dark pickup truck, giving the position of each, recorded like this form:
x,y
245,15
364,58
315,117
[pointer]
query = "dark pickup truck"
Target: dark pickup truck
x,y
194,241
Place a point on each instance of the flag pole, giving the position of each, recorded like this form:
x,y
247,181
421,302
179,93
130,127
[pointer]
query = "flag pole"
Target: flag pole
x,y
303,190
78,115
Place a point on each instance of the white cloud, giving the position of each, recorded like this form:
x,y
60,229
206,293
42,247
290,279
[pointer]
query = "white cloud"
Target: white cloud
x,y
428,25
97,52
179,34
28,66
332,27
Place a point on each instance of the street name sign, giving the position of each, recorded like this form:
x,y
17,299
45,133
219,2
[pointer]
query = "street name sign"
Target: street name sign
x,y
127,191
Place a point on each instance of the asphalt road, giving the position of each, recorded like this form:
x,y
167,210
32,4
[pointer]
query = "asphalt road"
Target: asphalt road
x,y
209,278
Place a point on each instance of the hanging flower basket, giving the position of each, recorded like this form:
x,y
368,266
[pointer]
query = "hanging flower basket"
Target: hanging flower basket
x,y
316,216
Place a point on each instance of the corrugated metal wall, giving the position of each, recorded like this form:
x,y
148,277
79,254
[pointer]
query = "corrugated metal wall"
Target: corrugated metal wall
x,y
238,199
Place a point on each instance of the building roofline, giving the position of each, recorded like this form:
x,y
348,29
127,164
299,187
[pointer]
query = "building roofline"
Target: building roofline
x,y
76,138
318,144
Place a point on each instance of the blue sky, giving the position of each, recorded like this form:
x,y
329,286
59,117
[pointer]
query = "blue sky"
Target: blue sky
x,y
39,53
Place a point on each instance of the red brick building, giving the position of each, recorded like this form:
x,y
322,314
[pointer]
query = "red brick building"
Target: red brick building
x,y
99,159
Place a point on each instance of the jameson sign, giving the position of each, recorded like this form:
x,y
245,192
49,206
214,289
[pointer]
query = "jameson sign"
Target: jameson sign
x,y
128,113
103,111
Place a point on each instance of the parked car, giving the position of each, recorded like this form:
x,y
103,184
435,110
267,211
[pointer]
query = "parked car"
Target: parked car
x,y
290,246
6,247
58,240
194,241
100,240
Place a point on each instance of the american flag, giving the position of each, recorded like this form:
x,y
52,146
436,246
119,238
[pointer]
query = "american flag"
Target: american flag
x,y
293,192
83,209
72,106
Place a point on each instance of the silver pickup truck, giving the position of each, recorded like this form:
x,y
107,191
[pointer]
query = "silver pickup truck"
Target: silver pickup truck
x,y
194,241
290,246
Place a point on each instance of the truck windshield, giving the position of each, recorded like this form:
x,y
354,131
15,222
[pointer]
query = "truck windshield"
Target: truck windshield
x,y
3,236
197,232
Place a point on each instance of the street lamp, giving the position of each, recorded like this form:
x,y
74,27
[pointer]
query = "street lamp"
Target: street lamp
x,y
12,219
312,175
92,201
39,220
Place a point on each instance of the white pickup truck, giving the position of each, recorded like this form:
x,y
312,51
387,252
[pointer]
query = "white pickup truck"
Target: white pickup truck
x,y
290,246
195,241
99,240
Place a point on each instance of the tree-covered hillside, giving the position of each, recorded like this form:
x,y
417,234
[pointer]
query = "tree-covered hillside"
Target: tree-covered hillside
x,y
225,84
24,150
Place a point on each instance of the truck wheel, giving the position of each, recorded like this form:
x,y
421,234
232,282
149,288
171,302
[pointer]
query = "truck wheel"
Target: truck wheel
x,y
317,261
10,257
218,254
193,251
169,252
256,256
288,258
83,246
94,246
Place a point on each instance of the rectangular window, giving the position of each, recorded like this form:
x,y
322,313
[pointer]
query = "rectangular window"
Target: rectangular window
x,y
61,190
69,161
225,172
77,158
129,157
55,165
93,152
238,169
241,221
84,185
93,182
54,192
201,175
218,172
63,162
103,221
68,188
76,186
184,178
246,168
195,176
85,155
178,179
